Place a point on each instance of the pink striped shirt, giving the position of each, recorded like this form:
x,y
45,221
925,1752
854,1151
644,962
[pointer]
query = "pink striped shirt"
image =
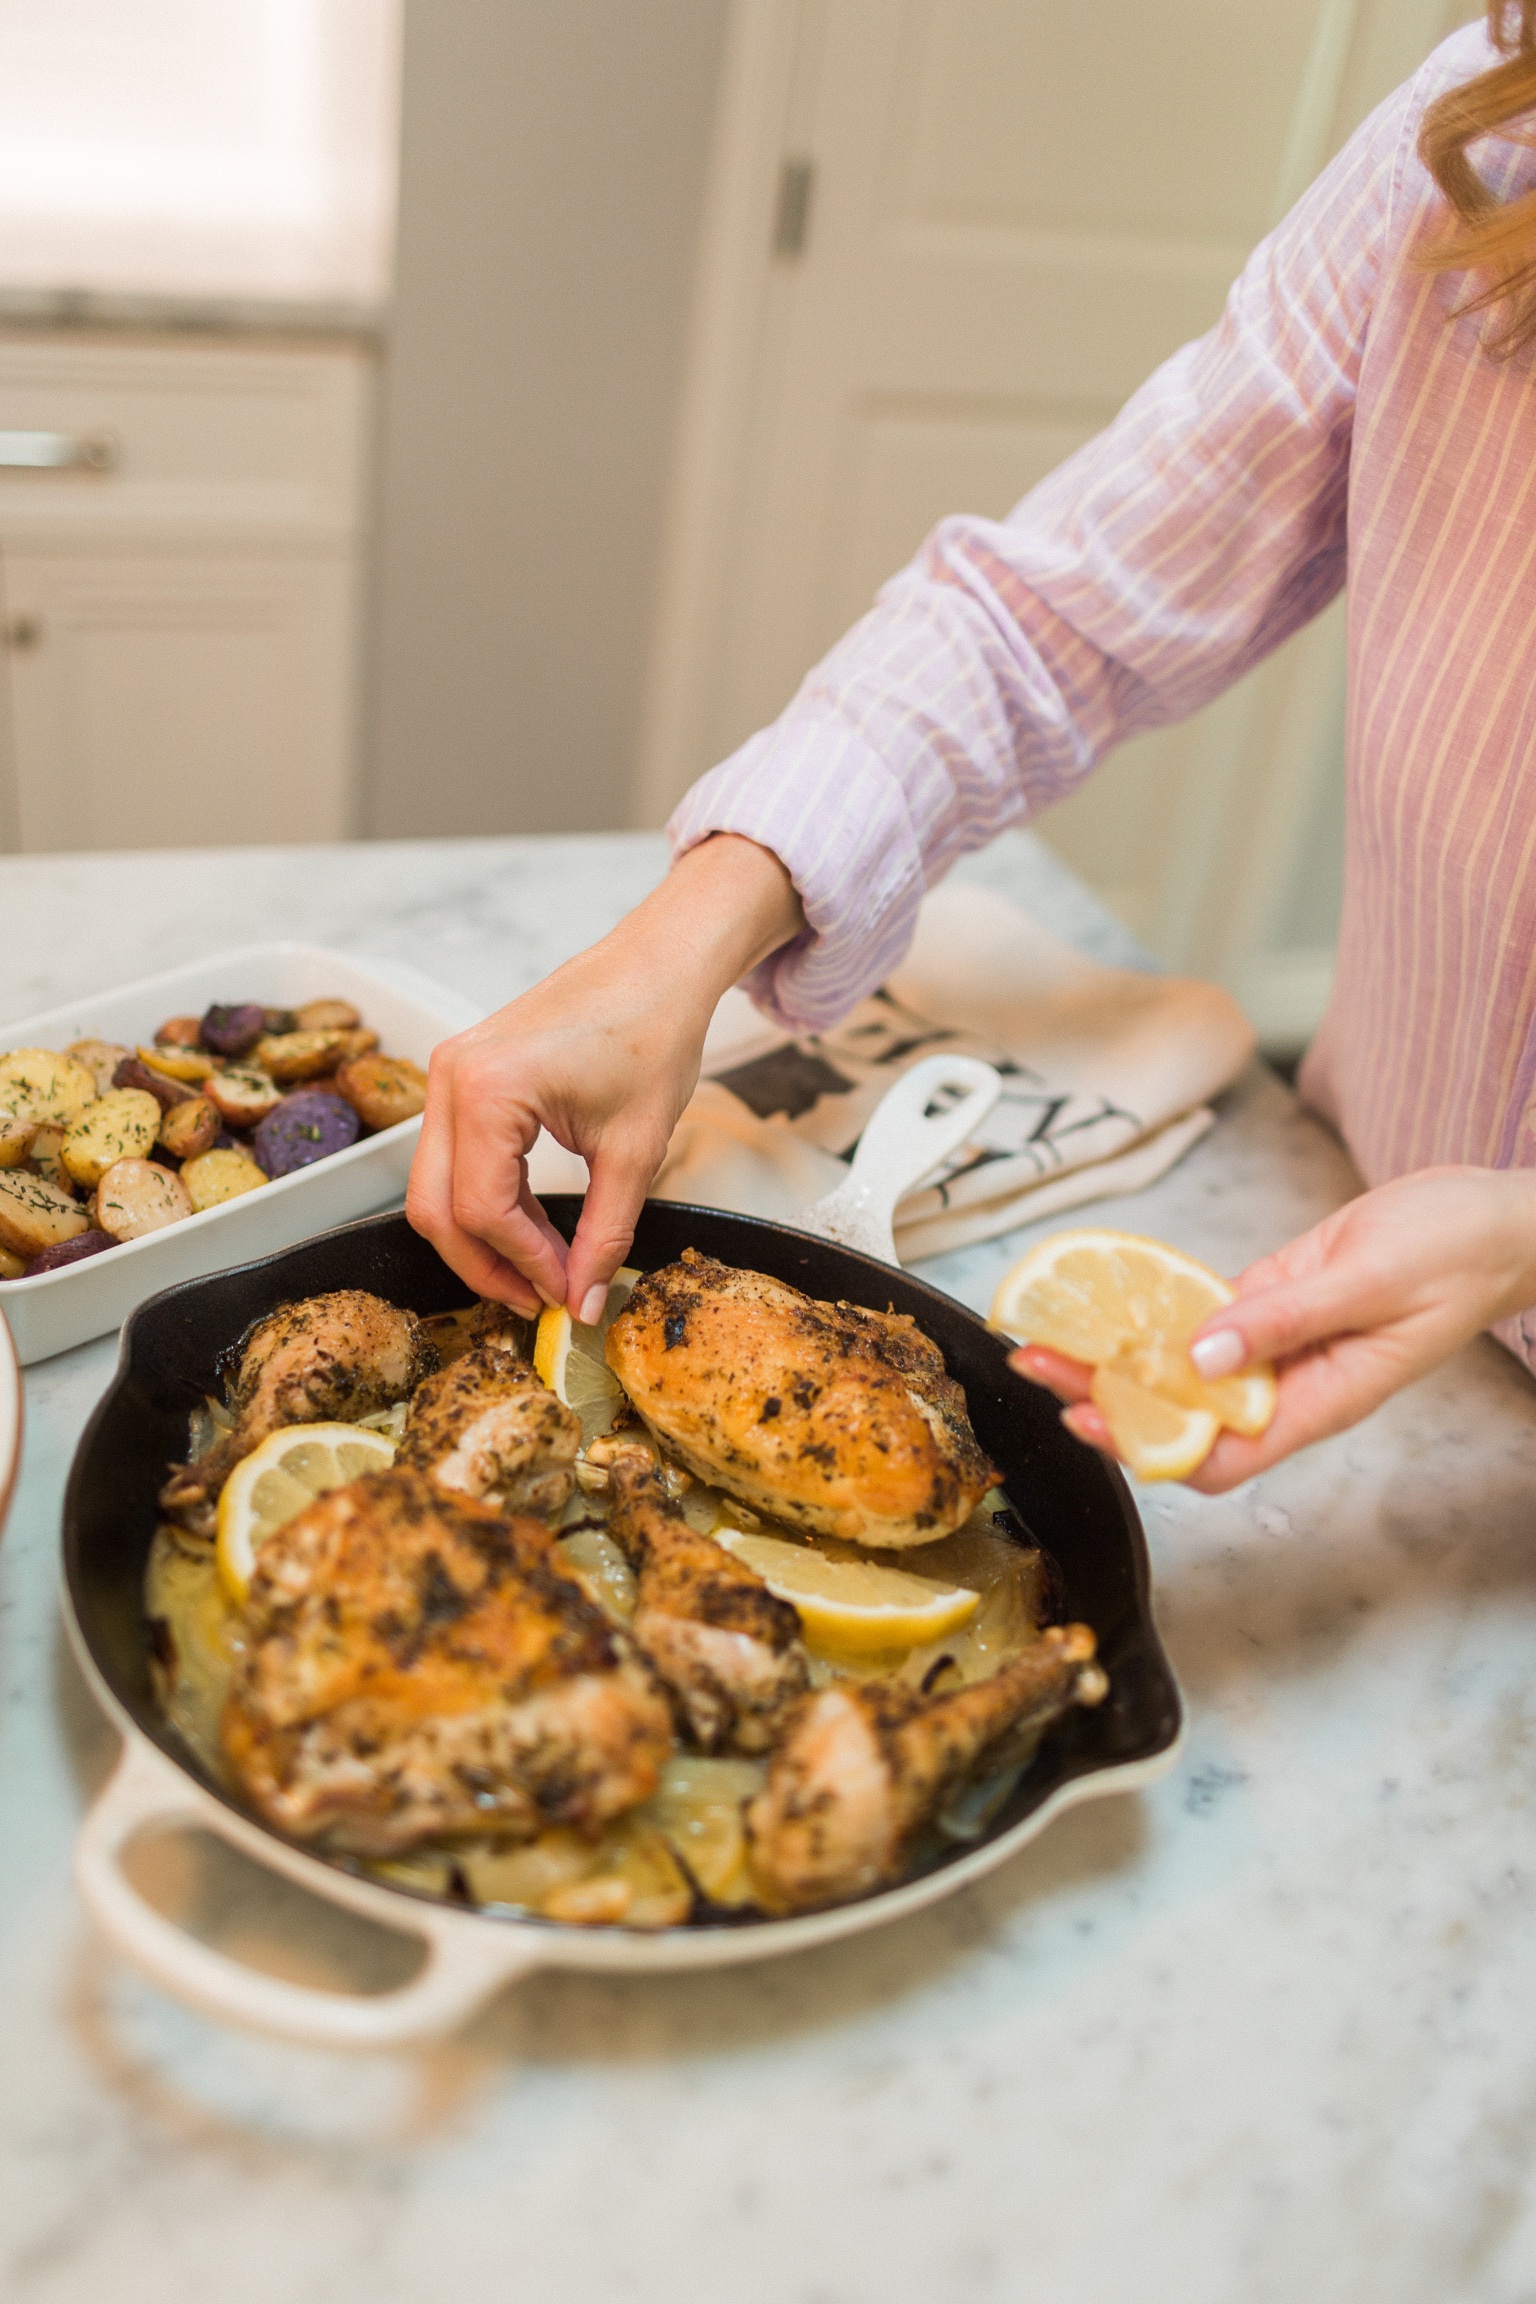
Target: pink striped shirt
x,y
1337,425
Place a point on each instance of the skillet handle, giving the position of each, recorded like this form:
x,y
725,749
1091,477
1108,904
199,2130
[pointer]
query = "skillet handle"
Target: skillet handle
x,y
466,1960
902,1143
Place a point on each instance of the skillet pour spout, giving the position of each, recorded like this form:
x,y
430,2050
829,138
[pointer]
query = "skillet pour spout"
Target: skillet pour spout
x,y
1070,1501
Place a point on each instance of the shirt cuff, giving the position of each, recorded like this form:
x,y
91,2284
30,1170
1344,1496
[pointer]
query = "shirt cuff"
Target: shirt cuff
x,y
814,793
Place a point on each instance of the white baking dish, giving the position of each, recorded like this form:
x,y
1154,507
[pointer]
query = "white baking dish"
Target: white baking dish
x,y
408,1011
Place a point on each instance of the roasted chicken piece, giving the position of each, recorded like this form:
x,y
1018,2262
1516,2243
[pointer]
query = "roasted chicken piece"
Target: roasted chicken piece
x,y
839,1421
864,1766
486,1427
342,1357
420,1667
483,1322
725,1648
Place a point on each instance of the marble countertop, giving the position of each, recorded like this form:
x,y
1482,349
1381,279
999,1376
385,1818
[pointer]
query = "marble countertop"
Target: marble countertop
x,y
1259,2034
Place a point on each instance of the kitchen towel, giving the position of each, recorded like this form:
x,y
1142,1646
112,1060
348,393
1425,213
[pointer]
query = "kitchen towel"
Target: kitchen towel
x,y
1106,1080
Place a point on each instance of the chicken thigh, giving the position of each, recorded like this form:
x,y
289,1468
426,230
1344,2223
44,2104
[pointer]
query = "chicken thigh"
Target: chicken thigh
x,y
486,1427
840,1421
419,1667
725,1647
864,1766
342,1357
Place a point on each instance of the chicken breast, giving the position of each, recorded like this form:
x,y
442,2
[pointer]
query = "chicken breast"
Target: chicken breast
x,y
419,1667
338,1357
486,1428
834,1419
728,1651
864,1766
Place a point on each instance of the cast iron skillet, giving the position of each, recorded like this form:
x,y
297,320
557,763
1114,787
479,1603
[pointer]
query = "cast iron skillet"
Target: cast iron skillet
x,y
1071,1500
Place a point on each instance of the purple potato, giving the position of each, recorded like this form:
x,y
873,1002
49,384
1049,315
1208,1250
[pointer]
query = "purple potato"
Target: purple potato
x,y
68,1252
305,1127
234,1031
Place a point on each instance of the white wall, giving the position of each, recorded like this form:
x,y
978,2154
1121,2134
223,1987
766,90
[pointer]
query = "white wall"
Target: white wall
x,y
552,179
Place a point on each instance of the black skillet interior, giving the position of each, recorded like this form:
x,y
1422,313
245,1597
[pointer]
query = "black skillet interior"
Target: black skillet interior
x,y
1072,1503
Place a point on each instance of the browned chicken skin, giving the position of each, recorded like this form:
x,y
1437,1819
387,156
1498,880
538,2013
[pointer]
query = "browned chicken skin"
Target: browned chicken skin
x,y
419,1667
728,1651
342,1357
864,1766
486,1427
840,1421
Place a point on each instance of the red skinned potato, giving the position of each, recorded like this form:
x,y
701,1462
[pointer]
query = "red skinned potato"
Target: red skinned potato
x,y
137,1196
190,1127
243,1096
35,1214
181,1031
101,1059
383,1089
326,1016
68,1252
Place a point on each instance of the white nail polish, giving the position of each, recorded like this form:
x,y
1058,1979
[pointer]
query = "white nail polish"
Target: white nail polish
x,y
1219,1355
592,1306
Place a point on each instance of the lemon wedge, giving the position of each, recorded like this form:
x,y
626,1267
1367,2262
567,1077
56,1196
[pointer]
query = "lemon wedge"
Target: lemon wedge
x,y
570,1359
1156,1438
290,1469
852,1607
1132,1305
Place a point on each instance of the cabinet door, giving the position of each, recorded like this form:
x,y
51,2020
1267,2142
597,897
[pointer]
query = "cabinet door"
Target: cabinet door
x,y
180,701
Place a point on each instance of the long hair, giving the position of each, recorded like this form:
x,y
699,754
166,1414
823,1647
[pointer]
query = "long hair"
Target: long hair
x,y
1496,238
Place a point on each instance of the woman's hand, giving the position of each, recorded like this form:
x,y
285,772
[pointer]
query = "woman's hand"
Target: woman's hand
x,y
604,1054
1374,1296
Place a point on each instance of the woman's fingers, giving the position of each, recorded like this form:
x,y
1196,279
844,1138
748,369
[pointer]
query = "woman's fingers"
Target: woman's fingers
x,y
428,1207
1068,1379
621,1176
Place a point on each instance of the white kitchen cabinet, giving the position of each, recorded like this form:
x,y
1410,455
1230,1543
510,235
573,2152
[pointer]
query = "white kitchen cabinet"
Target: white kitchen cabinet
x,y
181,614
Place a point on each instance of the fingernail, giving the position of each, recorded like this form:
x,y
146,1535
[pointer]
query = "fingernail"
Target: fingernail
x,y
1219,1355
592,1305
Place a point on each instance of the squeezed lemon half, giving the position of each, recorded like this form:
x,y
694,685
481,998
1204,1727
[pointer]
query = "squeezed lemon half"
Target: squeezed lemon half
x,y
853,1607
1128,1307
569,1358
290,1469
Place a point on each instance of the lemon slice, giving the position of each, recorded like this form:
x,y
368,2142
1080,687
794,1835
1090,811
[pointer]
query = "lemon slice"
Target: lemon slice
x,y
570,1359
289,1470
1157,1439
852,1606
1118,1301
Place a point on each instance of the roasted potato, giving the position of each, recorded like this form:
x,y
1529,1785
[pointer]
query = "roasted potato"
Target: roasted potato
x,y
135,1196
233,1031
308,1126
11,1267
326,1016
118,1126
133,1072
177,1063
65,1252
181,1031
383,1089
101,1059
37,1084
189,1128
214,1177
35,1214
45,1156
17,1130
243,1095
294,1056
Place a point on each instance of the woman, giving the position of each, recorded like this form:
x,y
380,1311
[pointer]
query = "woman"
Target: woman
x,y
1365,410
